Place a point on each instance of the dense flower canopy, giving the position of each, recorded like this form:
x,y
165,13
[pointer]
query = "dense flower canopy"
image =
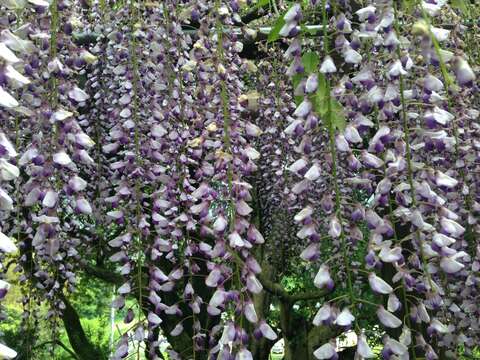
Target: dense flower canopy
x,y
157,142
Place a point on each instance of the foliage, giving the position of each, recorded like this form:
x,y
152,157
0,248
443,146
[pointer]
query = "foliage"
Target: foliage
x,y
230,186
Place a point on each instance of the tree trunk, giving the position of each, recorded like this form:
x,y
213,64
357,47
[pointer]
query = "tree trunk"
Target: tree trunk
x,y
82,346
261,348
300,336
296,345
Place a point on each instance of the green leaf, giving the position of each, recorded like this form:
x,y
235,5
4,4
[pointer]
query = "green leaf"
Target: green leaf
x,y
274,33
461,5
295,81
322,90
320,103
408,5
337,115
310,62
262,3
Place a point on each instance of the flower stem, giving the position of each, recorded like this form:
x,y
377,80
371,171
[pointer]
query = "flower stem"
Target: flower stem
x,y
333,152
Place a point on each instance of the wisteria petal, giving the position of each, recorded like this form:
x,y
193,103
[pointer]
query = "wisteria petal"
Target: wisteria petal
x,y
388,319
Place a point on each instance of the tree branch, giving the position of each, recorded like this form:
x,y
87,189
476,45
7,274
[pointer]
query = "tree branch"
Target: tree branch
x,y
61,344
79,341
257,13
103,274
277,289
309,295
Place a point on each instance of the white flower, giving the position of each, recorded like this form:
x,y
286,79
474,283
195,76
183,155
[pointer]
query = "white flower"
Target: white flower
x,y
322,278
432,83
379,285
351,56
363,349
217,298
292,13
267,331
446,55
323,314
50,199
287,28
440,34
345,318
451,227
303,109
341,143
220,224
463,71
62,158
236,240
8,55
450,265
15,43
244,354
365,12
442,240
78,94
83,206
396,69
6,202
15,77
406,336
7,145
253,285
7,100
334,228
393,304
352,135
388,319
313,173
440,116
250,312
76,183
6,244
8,171
290,129
154,319
303,214
371,160
297,165
7,353
61,115
326,351
328,66
306,231
442,179
390,255
396,347
243,208
84,140
213,277
124,289
433,9
177,330
312,83
423,313
439,327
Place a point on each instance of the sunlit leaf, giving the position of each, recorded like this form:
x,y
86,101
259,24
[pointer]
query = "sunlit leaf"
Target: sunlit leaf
x,y
310,61
274,33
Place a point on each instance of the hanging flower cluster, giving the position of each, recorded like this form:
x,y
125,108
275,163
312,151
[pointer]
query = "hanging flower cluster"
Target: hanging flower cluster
x,y
10,62
49,201
167,154
401,147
